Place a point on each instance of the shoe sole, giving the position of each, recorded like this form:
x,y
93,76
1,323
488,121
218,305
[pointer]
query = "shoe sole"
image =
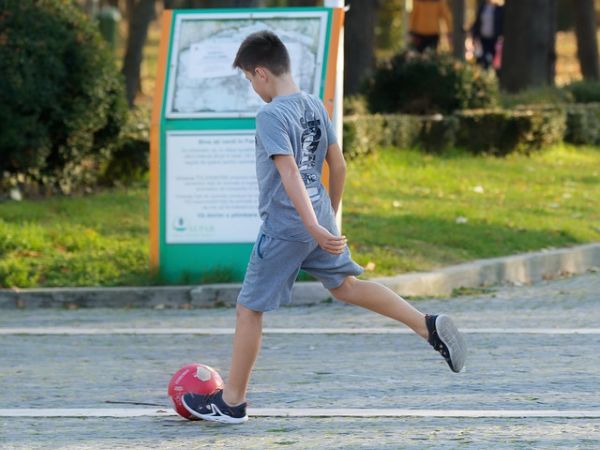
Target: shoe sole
x,y
212,418
454,340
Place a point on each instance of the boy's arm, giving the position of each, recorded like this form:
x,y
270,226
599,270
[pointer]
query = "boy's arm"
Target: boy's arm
x,y
337,174
290,177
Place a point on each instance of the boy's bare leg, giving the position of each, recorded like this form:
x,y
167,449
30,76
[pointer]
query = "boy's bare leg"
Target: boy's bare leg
x,y
382,300
246,344
445,338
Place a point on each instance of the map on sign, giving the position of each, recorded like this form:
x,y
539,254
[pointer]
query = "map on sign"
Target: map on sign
x,y
202,81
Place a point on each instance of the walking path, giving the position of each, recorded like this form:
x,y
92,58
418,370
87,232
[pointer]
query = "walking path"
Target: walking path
x,y
328,376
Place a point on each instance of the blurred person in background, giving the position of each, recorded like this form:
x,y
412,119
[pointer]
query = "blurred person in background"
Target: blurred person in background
x,y
425,21
487,33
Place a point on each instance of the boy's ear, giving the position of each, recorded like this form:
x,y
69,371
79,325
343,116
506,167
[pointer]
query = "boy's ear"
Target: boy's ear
x,y
262,73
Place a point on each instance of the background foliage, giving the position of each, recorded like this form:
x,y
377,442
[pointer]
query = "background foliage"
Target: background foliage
x,y
61,97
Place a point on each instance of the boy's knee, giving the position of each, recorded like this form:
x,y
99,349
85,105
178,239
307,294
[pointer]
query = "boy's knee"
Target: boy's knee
x,y
342,291
243,313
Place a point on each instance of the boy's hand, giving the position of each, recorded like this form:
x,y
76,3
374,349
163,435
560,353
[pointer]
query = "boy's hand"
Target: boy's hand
x,y
327,241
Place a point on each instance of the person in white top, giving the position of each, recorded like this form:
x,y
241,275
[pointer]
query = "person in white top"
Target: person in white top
x,y
487,30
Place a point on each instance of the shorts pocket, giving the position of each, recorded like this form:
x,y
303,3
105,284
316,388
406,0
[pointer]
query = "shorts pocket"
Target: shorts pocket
x,y
260,245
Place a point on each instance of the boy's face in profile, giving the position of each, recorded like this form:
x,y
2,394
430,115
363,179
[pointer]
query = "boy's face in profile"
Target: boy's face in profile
x,y
260,83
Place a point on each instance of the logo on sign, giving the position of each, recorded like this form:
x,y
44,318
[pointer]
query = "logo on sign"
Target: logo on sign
x,y
179,224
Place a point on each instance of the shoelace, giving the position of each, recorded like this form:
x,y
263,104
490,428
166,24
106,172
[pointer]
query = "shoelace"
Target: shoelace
x,y
206,400
442,349
438,345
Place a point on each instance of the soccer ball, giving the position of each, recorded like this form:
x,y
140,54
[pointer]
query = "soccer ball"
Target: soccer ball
x,y
195,378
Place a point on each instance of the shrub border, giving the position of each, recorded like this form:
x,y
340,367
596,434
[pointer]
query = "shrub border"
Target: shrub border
x,y
481,131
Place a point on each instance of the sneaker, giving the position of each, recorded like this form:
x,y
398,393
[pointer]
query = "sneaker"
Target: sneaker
x,y
446,339
213,408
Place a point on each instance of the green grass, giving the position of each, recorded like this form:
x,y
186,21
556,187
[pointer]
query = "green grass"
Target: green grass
x,y
407,211
94,240
400,214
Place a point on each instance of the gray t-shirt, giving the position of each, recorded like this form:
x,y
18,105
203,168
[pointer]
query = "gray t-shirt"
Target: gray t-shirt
x,y
295,125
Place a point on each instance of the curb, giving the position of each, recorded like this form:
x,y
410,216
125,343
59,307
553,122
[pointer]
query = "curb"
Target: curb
x,y
519,269
525,268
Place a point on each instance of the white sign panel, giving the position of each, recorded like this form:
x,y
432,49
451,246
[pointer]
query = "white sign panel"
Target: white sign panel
x,y
202,82
211,187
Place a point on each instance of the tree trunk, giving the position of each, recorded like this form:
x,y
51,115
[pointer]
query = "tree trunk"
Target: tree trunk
x,y
141,13
587,44
529,56
458,35
359,43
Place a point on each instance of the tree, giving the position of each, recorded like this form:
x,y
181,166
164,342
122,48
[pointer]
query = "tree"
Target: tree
x,y
587,44
140,13
529,55
359,43
458,35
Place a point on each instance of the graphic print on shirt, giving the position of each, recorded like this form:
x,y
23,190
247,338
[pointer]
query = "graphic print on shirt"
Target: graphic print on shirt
x,y
311,137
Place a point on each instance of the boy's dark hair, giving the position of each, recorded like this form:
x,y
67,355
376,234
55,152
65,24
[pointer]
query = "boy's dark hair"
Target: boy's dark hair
x,y
263,48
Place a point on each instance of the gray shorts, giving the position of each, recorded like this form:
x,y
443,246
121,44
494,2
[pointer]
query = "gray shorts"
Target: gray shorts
x,y
274,266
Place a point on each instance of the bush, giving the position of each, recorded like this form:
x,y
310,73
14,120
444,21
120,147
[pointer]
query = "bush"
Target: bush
x,y
355,104
401,130
585,91
583,124
501,132
130,160
490,131
362,134
428,84
547,126
438,133
61,97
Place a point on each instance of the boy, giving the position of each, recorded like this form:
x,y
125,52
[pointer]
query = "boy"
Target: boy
x,y
294,136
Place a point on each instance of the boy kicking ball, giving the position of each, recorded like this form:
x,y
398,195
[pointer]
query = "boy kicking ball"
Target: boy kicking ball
x,y
294,136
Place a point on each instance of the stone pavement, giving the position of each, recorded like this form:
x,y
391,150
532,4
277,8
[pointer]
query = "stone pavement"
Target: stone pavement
x,y
507,370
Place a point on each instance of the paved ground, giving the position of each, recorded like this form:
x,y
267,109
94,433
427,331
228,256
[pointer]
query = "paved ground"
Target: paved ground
x,y
506,371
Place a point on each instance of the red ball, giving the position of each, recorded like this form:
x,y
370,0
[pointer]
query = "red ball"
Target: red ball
x,y
195,378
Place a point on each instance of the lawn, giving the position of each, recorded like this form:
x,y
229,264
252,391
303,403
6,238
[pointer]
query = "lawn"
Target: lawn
x,y
403,211
100,239
407,211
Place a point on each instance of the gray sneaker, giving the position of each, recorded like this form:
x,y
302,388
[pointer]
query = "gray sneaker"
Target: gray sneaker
x,y
446,339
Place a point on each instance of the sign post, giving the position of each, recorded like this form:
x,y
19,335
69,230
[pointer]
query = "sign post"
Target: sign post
x,y
203,188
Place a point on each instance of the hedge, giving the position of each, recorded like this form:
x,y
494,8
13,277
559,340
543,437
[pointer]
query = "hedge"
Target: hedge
x,y
583,124
501,132
584,91
490,131
429,83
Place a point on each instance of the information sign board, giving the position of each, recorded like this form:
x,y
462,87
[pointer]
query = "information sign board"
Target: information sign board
x,y
203,188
